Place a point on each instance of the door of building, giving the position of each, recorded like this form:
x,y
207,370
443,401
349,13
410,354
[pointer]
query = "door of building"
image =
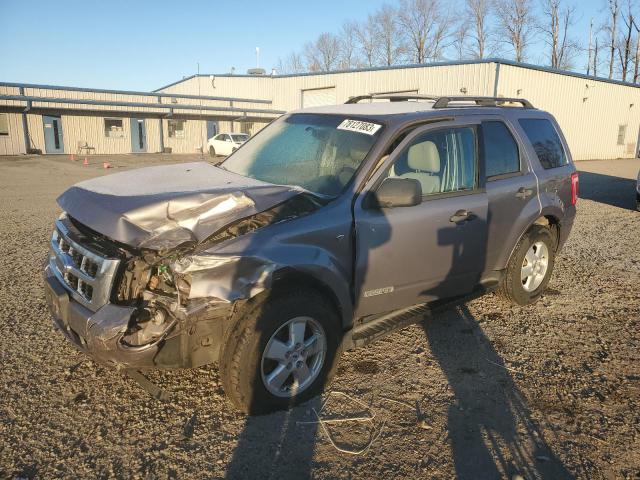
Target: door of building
x,y
53,139
138,135
212,129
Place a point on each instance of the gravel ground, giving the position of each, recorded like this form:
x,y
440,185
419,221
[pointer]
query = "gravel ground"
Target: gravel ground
x,y
486,391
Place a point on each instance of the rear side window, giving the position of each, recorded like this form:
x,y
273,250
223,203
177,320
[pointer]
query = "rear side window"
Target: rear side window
x,y
545,141
500,149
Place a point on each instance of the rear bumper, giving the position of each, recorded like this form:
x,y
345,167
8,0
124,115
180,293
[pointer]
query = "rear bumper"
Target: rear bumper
x,y
99,334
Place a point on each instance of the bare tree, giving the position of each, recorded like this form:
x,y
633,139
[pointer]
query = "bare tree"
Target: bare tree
x,y
293,63
349,46
595,59
478,12
324,53
555,27
367,37
460,40
636,68
625,53
515,23
427,26
389,35
611,28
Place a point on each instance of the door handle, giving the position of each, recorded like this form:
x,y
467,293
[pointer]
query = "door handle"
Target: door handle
x,y
524,192
462,216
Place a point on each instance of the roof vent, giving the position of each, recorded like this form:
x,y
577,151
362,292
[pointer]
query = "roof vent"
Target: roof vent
x,y
256,71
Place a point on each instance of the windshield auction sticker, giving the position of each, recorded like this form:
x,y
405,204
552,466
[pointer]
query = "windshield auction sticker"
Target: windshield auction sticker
x,y
360,127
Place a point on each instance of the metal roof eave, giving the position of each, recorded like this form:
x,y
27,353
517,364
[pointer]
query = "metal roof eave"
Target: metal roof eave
x,y
500,61
133,92
29,99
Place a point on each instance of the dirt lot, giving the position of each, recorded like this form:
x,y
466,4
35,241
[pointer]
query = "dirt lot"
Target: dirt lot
x,y
486,391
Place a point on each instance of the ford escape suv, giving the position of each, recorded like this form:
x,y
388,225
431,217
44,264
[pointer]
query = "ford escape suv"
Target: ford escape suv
x,y
329,228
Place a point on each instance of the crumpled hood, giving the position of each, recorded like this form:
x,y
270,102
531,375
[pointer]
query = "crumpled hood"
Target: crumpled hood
x,y
163,207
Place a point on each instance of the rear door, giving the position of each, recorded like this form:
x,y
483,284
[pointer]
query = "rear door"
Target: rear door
x,y
512,188
411,255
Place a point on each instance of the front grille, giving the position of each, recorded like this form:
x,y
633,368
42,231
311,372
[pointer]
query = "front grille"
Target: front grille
x,y
87,275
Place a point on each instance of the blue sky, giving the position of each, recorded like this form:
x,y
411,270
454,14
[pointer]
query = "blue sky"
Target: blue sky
x,y
142,45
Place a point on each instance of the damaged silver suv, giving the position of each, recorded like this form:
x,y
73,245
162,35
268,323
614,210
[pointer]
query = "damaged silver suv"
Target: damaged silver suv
x,y
329,228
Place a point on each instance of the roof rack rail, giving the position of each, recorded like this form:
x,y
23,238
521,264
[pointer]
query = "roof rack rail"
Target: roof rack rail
x,y
443,102
393,97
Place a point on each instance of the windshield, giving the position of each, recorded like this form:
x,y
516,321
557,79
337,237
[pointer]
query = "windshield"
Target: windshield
x,y
239,138
320,153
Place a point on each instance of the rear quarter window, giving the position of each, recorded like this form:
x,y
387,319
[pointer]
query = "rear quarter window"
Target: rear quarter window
x,y
546,142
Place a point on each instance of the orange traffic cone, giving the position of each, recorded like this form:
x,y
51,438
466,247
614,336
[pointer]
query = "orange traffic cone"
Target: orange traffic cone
x,y
86,162
72,157
106,165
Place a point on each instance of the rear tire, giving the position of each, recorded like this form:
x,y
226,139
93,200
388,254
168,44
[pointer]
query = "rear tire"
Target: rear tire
x,y
246,366
212,152
530,266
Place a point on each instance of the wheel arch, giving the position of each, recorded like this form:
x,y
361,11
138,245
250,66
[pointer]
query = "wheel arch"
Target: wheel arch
x,y
545,218
289,277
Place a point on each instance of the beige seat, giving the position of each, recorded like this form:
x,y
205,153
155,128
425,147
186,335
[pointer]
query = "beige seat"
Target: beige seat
x,y
424,161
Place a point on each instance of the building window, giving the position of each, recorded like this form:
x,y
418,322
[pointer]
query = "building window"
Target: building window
x,y
622,134
176,128
113,128
4,124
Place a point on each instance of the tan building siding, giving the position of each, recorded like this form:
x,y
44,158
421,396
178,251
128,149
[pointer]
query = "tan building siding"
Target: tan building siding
x,y
588,111
13,143
591,126
195,132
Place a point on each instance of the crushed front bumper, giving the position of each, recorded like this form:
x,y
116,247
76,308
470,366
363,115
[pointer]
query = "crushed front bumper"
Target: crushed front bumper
x,y
189,343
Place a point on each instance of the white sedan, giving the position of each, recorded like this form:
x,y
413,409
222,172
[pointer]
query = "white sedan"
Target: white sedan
x,y
226,143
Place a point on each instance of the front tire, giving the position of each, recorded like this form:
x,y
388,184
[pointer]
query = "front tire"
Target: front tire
x,y
530,267
212,151
281,350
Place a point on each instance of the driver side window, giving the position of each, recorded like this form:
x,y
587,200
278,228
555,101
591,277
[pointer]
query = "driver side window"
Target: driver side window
x,y
443,161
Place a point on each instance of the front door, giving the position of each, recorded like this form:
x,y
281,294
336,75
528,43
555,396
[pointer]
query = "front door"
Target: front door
x,y
411,255
53,140
138,136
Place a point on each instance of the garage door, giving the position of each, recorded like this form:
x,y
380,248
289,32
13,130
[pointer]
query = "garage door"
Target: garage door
x,y
318,97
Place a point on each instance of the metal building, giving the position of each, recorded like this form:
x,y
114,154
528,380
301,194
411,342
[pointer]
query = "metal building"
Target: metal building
x,y
600,118
52,119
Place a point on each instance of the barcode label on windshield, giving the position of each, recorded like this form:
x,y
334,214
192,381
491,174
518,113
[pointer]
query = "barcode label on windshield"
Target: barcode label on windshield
x,y
360,127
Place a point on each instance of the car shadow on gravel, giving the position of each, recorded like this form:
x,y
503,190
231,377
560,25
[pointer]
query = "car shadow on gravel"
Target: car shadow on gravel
x,y
491,430
607,189
275,445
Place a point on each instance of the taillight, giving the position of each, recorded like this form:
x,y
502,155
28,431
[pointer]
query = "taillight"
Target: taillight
x,y
574,188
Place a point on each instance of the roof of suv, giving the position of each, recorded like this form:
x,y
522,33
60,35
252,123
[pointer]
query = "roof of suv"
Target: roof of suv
x,y
375,109
401,104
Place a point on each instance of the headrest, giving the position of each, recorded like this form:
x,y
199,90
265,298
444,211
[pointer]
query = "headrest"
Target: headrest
x,y
358,148
424,157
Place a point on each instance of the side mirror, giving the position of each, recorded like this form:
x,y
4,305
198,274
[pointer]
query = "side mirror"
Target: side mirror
x,y
395,192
